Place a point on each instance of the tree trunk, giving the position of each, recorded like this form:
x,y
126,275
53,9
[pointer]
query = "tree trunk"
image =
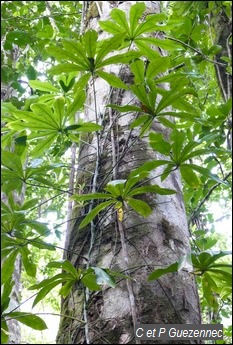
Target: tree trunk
x,y
136,246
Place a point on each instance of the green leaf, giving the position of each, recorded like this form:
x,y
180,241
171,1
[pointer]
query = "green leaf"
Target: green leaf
x,y
110,26
29,266
135,14
132,180
4,331
65,68
206,172
151,189
91,215
162,271
141,93
29,320
120,18
43,145
138,69
148,167
141,120
82,82
106,47
5,297
165,44
43,86
65,265
158,143
149,24
84,127
158,65
90,41
102,277
8,266
46,289
139,206
124,108
13,162
59,109
120,58
66,288
189,176
76,104
112,80
78,50
171,96
89,280
31,73
178,138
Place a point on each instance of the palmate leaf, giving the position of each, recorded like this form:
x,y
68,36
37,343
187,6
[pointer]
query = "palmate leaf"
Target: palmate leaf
x,y
28,319
36,121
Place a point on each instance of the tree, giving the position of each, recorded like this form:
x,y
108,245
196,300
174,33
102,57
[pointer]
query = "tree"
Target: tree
x,y
115,160
128,93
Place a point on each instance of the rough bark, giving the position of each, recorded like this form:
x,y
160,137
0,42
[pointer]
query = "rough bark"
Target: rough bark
x,y
153,242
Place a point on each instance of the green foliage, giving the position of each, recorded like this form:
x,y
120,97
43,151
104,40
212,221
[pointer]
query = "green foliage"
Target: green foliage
x,y
119,193
179,90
